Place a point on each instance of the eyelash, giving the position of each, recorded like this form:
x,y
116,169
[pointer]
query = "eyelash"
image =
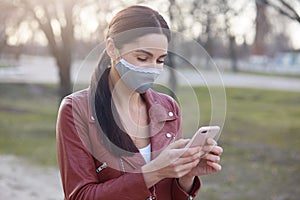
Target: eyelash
x,y
142,59
145,59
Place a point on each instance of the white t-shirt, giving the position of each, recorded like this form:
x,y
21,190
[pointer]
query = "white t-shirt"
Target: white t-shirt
x,y
146,152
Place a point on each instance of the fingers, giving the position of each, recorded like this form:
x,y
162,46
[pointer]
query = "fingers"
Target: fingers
x,y
185,155
188,159
210,152
191,151
212,146
178,144
182,170
217,150
215,166
213,154
178,162
211,141
212,158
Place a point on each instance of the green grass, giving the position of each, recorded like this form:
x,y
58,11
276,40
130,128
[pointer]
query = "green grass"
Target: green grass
x,y
261,141
287,75
5,66
261,137
27,122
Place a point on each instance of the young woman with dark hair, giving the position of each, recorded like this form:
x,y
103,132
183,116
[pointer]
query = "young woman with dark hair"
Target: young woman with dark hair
x,y
119,139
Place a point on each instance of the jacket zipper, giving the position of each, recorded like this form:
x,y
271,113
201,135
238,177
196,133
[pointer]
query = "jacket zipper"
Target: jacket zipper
x,y
152,189
122,166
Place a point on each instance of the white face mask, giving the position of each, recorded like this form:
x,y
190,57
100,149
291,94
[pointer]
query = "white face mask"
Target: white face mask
x,y
137,78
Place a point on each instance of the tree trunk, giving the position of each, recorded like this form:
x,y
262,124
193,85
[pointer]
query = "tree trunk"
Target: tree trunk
x,y
232,52
172,77
60,49
65,58
208,46
65,87
262,28
209,42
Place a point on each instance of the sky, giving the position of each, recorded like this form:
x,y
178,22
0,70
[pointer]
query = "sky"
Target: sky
x,y
242,26
294,29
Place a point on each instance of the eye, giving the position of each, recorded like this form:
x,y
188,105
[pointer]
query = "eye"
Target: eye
x,y
142,59
160,61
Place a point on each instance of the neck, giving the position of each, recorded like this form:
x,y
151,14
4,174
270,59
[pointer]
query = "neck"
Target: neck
x,y
133,113
123,96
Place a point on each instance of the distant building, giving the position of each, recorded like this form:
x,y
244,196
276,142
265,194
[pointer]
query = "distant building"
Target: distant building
x,y
290,58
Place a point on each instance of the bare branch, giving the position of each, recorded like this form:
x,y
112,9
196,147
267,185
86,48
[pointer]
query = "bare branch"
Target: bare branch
x,y
45,27
67,31
295,16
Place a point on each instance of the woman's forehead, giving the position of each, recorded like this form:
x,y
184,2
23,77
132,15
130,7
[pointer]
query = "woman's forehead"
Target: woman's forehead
x,y
154,43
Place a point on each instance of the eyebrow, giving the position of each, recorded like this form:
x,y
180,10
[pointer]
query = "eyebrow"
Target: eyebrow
x,y
148,53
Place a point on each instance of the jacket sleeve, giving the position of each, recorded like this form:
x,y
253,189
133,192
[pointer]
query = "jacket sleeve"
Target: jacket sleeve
x,y
77,166
177,192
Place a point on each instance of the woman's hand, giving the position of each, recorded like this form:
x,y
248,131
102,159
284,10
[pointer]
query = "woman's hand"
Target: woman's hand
x,y
173,162
210,162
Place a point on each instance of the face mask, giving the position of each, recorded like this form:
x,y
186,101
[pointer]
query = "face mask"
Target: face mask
x,y
137,78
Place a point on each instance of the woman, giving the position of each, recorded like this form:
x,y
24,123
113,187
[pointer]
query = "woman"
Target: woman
x,y
119,139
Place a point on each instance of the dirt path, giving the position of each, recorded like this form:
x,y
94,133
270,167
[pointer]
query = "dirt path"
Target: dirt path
x,y
20,180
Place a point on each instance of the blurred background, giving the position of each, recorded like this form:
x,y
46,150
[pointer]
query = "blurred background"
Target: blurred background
x,y
254,43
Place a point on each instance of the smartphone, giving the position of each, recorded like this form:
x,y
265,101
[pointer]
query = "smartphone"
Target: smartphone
x,y
202,134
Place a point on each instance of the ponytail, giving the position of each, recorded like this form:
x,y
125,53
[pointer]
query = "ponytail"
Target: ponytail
x,y
103,64
117,141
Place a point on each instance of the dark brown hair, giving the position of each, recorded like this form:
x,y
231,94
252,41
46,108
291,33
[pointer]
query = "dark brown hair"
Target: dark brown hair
x,y
116,140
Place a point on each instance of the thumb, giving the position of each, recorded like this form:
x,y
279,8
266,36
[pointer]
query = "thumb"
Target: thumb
x,y
178,144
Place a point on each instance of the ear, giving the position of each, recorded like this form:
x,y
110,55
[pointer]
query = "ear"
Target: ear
x,y
111,49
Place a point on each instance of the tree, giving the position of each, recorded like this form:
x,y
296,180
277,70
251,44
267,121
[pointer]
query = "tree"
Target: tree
x,y
57,20
286,8
170,61
209,14
261,29
229,13
6,8
205,12
2,38
290,9
60,46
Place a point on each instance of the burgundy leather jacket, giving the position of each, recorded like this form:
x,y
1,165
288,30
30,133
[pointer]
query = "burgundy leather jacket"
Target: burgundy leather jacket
x,y
89,171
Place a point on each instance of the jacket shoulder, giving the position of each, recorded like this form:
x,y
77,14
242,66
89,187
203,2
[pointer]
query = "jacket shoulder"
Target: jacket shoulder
x,y
80,95
76,102
76,98
163,99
